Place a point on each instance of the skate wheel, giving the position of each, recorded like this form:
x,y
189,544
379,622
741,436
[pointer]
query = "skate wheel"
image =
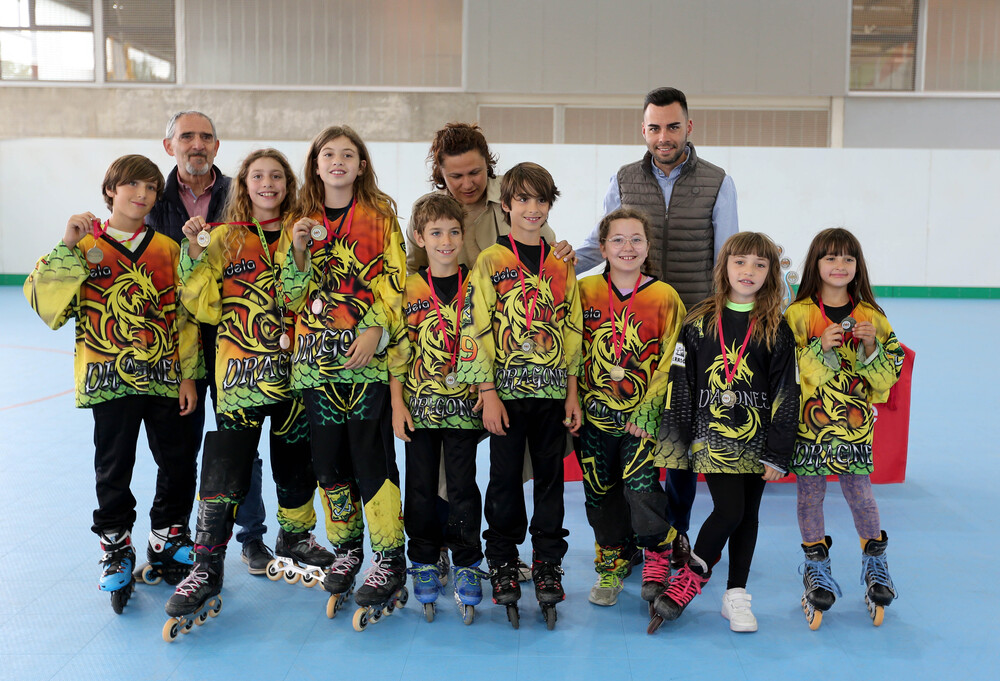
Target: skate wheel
x,y
429,612
119,599
878,614
815,619
201,618
170,630
374,616
332,606
148,577
550,617
216,607
291,577
272,571
654,623
309,581
468,614
360,620
402,596
513,616
187,626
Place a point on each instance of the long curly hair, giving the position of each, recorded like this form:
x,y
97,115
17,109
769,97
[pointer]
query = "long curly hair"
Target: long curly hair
x,y
239,207
767,303
836,241
455,139
312,199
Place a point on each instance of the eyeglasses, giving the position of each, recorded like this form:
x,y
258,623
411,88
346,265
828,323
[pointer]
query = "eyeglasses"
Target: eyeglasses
x,y
620,241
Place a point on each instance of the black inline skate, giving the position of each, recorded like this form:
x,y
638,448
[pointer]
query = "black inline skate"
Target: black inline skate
x,y
821,589
879,589
197,596
298,556
341,576
506,590
548,589
383,590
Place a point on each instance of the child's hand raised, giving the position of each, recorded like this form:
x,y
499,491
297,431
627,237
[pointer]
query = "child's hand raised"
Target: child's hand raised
x,y
833,337
76,227
190,230
865,333
300,240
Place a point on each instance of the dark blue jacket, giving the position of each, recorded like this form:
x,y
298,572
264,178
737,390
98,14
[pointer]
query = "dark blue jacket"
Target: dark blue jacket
x,y
169,214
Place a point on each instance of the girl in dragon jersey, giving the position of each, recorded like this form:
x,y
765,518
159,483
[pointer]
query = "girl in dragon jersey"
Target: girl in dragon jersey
x,y
631,322
356,272
232,279
734,405
848,359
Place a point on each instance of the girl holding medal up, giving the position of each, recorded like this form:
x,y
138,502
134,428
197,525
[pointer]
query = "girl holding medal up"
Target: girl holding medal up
x,y
348,234
848,359
631,322
734,405
235,283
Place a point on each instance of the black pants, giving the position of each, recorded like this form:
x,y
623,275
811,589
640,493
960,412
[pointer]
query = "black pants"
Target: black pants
x,y
229,457
681,487
537,422
736,497
354,457
621,488
116,432
465,503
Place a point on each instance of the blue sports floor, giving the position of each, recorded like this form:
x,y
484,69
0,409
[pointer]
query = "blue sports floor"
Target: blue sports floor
x,y
54,624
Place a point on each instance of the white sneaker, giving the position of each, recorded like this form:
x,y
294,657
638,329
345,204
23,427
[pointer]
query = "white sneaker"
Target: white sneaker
x,y
736,609
605,591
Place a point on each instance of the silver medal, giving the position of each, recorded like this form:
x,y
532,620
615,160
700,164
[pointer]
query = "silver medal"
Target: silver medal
x,y
317,306
94,255
727,398
528,346
204,238
451,380
617,373
318,233
848,324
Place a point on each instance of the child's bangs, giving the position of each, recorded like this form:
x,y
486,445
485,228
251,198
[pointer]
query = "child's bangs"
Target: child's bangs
x,y
837,242
751,243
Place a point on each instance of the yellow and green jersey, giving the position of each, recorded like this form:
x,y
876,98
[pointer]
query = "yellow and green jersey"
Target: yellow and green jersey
x,y
836,420
424,354
355,282
132,337
237,286
496,343
647,331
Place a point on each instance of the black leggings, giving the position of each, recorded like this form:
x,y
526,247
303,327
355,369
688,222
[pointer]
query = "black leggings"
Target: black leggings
x,y
736,497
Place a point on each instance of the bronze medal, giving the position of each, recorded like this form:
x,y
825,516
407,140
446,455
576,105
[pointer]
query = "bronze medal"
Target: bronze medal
x,y
727,398
317,306
848,324
616,372
95,255
204,238
318,233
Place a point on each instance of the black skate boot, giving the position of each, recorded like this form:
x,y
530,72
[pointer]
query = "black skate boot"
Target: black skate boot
x,y
341,576
880,590
197,596
681,554
118,562
169,556
548,589
383,590
506,590
817,578
297,556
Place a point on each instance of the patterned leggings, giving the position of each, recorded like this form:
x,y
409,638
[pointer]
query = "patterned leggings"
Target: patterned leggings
x,y
857,490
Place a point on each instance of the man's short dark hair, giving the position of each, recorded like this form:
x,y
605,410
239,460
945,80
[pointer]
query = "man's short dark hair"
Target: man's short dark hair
x,y
665,96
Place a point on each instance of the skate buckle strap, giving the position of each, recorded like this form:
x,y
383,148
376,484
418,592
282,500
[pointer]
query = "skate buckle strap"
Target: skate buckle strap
x,y
684,586
656,566
819,573
192,583
878,568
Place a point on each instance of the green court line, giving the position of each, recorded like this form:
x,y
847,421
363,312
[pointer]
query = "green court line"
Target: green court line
x,y
968,292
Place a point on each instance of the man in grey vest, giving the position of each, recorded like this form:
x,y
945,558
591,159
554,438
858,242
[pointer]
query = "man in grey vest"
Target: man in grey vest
x,y
691,205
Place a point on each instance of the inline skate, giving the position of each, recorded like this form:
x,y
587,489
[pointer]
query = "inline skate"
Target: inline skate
x,y
118,562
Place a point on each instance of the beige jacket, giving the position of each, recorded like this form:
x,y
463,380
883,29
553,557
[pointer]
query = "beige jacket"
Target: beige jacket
x,y
482,234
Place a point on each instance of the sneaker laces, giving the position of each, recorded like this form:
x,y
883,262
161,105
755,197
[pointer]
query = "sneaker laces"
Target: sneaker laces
x,y
684,586
194,581
878,568
656,566
819,574
346,563
609,580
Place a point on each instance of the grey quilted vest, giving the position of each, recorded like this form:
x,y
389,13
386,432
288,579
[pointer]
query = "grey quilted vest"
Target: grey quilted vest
x,y
682,240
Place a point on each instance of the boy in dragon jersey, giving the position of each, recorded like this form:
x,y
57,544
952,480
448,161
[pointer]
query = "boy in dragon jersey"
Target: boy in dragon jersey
x,y
521,335
136,355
